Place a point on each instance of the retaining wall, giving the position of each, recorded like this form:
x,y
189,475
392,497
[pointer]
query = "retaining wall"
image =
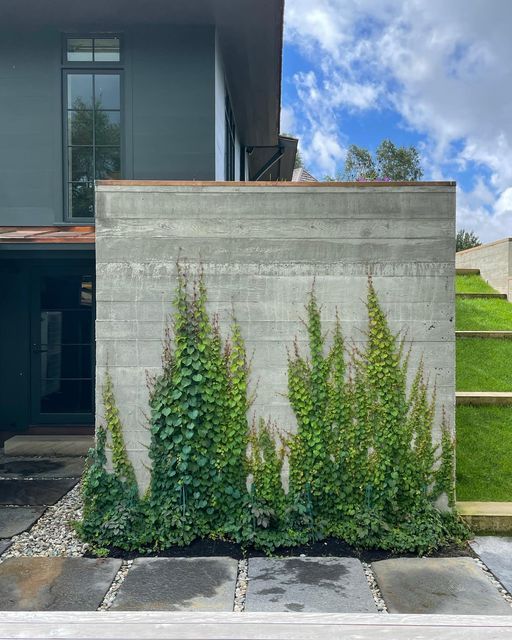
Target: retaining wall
x,y
494,260
261,246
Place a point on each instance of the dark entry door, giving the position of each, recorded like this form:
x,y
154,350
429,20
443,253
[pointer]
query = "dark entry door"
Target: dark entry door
x,y
62,345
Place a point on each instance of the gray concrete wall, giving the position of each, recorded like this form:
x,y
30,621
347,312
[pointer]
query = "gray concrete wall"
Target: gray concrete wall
x,y
494,261
261,247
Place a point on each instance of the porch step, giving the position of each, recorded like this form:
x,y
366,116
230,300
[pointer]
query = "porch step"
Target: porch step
x,y
487,517
483,397
467,272
475,296
484,334
48,445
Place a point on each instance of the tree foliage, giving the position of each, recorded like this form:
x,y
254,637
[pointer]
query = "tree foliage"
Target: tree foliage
x,y
389,163
466,239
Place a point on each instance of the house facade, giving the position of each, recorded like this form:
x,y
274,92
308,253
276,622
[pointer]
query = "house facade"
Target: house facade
x,y
185,91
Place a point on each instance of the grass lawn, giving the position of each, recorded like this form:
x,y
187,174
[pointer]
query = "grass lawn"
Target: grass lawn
x,y
483,365
472,284
484,454
483,315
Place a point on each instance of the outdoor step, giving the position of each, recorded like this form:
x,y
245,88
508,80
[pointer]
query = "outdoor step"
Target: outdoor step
x,y
55,584
484,334
111,625
48,445
487,517
308,585
496,553
467,272
452,586
483,397
474,296
178,584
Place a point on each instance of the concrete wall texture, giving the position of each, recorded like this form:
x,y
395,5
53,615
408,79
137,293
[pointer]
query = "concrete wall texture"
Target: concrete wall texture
x,y
494,261
261,246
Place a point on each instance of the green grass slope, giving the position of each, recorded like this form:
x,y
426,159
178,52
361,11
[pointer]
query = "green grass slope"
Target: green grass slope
x,y
484,454
472,284
483,365
483,315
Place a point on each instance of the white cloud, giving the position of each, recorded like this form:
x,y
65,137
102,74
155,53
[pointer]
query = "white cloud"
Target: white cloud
x,y
445,67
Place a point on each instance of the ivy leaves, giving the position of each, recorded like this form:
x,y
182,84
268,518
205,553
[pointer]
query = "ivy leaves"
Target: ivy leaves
x,y
363,465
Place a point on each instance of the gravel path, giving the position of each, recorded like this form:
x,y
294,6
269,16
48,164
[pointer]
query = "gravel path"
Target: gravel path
x,y
241,586
53,534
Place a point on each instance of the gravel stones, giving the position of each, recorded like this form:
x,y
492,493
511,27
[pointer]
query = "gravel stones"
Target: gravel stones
x,y
53,534
178,584
438,585
241,586
496,553
14,520
55,584
34,492
325,585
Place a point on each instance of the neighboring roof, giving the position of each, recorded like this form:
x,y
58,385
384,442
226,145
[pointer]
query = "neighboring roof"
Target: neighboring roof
x,y
302,175
250,38
47,235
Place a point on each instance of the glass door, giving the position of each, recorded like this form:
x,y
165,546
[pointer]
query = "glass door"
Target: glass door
x,y
63,346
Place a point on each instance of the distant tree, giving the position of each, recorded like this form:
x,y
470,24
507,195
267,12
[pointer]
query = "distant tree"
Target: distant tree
x,y
299,160
466,240
398,163
389,163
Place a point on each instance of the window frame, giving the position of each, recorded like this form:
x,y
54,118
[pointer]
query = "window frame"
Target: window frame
x,y
91,63
87,68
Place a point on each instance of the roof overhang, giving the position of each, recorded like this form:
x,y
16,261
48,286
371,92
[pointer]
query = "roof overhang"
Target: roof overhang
x,y
58,237
250,37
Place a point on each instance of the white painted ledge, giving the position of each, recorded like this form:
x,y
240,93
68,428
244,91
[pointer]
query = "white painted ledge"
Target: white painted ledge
x,y
251,626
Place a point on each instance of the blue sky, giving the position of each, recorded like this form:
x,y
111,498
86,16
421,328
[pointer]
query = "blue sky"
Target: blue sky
x,y
429,73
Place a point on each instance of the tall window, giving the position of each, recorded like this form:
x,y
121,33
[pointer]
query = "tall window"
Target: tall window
x,y
230,141
92,120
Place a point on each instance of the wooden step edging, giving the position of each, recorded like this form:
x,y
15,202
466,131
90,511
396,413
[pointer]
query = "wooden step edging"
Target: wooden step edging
x,y
487,517
503,335
214,625
495,398
462,271
483,296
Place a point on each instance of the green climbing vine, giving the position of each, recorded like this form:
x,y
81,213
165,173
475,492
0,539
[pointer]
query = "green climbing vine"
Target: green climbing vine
x,y
362,466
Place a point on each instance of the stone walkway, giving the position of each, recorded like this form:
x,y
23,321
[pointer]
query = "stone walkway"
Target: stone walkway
x,y
61,582
28,486
315,585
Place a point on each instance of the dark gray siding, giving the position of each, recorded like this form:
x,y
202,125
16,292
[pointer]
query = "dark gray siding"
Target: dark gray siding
x,y
172,75
169,92
30,128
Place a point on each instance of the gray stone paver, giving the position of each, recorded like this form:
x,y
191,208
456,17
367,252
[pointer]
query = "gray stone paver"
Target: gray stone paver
x,y
328,585
438,585
496,553
34,492
55,584
4,545
14,520
25,467
178,584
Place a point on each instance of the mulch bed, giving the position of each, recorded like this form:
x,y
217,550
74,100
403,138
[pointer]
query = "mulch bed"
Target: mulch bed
x,y
328,547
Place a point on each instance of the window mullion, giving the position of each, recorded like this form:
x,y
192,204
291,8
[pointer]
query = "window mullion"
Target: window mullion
x,y
93,131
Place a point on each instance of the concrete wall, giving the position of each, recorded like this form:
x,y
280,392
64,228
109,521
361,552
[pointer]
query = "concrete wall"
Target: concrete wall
x,y
261,246
494,261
